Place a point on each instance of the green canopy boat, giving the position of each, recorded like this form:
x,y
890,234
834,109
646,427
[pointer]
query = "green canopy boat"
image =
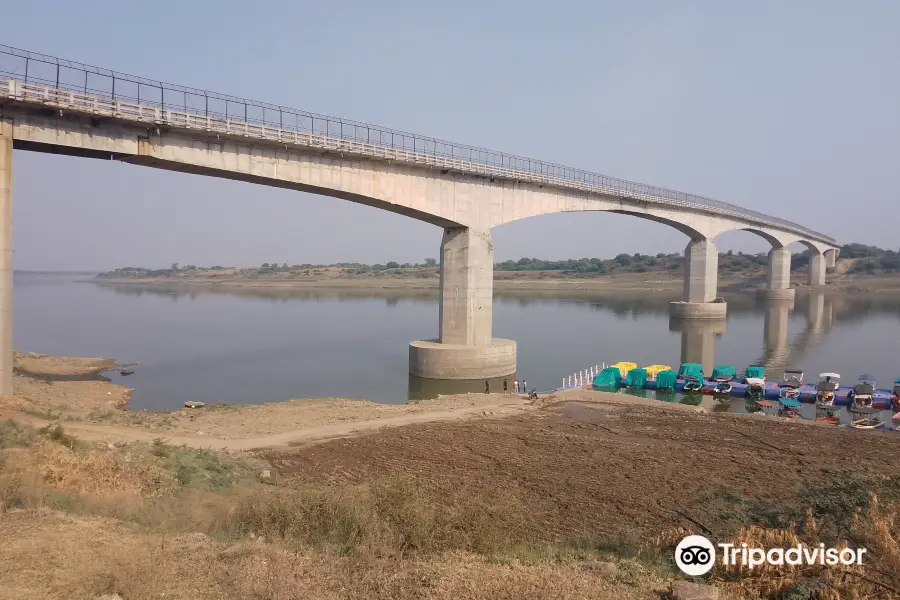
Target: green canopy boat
x,y
665,380
755,372
610,377
636,378
724,372
691,370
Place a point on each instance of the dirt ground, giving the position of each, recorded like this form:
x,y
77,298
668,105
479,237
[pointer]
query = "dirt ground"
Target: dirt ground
x,y
589,464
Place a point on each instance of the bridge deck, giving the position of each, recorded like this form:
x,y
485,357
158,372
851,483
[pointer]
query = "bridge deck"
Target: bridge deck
x,y
329,134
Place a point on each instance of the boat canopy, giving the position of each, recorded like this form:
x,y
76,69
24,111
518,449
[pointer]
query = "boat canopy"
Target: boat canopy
x,y
826,386
864,389
756,381
896,390
624,367
793,372
608,377
829,375
755,371
789,402
665,380
654,370
691,370
724,372
636,378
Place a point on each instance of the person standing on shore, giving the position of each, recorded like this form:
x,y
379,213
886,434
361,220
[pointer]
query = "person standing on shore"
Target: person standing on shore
x,y
524,387
487,386
505,386
516,386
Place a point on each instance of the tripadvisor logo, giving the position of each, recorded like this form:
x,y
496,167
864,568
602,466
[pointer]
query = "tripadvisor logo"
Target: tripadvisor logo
x,y
695,555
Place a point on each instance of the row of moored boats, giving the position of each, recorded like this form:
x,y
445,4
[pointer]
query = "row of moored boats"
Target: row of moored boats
x,y
864,400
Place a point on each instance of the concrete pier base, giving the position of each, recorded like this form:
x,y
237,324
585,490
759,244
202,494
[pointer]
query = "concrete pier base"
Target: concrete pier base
x,y
816,270
6,251
774,294
434,360
698,310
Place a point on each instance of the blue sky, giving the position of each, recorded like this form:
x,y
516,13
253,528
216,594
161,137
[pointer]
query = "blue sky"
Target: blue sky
x,y
785,108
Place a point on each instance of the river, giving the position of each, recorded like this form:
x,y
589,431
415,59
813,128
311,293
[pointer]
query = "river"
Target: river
x,y
265,345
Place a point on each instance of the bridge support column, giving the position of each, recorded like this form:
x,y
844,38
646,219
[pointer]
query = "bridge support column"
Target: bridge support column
x,y
701,264
6,270
816,270
698,340
465,348
831,257
778,280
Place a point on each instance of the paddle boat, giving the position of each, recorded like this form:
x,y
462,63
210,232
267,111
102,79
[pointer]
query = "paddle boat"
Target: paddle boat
x,y
828,416
687,370
861,395
636,379
870,422
790,408
624,367
756,388
790,384
654,370
692,384
723,375
825,389
608,378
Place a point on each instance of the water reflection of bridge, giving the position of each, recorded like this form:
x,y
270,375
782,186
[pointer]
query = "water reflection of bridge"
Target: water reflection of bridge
x,y
698,340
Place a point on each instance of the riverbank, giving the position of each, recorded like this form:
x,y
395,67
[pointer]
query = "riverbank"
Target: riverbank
x,y
478,497
512,282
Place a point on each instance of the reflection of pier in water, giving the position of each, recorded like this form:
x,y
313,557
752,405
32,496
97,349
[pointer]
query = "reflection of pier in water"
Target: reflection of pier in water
x,y
698,338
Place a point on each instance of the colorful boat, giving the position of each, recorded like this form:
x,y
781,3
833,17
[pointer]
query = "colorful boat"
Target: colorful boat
x,y
825,389
789,388
871,422
862,395
756,388
692,384
654,370
624,367
790,408
694,370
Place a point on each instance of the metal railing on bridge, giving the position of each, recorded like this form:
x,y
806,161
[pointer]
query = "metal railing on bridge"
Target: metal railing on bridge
x,y
30,76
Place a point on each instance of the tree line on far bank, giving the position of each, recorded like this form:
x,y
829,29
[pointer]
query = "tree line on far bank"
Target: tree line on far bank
x,y
868,259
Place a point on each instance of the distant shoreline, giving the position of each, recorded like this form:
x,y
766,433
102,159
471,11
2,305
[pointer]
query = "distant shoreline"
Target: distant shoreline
x,y
520,282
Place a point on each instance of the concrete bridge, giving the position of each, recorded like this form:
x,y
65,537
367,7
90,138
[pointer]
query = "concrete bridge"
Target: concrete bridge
x,y
61,107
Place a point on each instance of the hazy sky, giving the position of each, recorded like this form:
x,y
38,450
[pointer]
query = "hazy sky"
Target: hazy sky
x,y
788,108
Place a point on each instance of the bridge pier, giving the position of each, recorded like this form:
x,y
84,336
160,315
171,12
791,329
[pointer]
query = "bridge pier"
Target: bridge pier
x,y
816,270
701,264
776,326
778,279
698,340
465,347
6,251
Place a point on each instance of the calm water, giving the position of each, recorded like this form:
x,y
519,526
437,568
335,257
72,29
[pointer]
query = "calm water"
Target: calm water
x,y
270,346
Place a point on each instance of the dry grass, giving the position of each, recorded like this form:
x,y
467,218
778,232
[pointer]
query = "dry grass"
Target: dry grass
x,y
153,521
875,527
